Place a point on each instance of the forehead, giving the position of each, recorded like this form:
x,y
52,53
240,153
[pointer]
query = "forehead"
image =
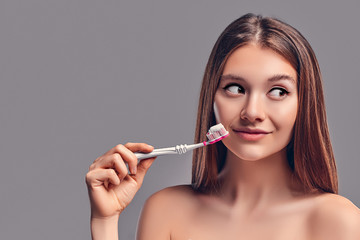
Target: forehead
x,y
253,62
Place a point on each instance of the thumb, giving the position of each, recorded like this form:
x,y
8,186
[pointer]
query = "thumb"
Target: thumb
x,y
142,167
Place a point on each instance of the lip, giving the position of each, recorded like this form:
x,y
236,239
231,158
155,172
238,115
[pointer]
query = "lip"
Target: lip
x,y
250,134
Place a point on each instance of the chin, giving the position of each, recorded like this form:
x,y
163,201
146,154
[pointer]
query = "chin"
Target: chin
x,y
250,157
253,154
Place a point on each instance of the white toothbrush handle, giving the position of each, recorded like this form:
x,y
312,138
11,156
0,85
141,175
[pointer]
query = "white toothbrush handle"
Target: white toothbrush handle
x,y
141,156
179,149
215,134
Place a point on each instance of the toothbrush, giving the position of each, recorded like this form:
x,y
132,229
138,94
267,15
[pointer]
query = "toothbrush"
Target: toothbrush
x,y
215,134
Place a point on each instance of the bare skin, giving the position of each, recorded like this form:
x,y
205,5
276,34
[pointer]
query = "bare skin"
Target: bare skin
x,y
111,188
258,197
181,213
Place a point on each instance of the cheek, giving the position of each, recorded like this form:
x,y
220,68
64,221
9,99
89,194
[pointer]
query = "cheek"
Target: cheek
x,y
285,116
224,110
217,112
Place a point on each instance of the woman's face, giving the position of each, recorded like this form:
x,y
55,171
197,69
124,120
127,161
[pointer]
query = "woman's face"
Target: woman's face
x,y
257,102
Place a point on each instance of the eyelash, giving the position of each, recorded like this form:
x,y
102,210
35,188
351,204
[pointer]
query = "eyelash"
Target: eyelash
x,y
231,85
281,89
242,91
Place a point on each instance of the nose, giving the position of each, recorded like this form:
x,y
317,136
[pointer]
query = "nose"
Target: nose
x,y
253,110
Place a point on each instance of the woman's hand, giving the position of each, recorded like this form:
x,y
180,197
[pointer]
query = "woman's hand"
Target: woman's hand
x,y
110,187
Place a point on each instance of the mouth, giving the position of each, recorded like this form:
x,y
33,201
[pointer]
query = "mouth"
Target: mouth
x,y
250,134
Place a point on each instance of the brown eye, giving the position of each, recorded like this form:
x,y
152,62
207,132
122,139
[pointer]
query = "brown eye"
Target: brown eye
x,y
278,92
234,89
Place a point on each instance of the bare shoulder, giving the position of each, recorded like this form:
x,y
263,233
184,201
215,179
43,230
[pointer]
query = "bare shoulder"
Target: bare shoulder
x,y
171,199
174,194
335,217
163,209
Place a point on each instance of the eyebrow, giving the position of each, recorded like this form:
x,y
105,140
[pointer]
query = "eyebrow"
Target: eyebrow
x,y
274,78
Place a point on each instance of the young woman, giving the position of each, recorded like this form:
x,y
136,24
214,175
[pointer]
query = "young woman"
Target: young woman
x,y
273,177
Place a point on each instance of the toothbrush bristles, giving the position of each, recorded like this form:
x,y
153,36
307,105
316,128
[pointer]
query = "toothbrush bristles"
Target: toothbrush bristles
x,y
216,133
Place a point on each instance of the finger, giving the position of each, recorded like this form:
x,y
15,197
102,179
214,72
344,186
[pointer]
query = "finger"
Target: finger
x,y
134,147
114,161
126,152
139,147
99,176
128,156
143,167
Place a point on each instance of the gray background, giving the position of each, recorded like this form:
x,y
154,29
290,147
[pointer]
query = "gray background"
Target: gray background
x,y
80,76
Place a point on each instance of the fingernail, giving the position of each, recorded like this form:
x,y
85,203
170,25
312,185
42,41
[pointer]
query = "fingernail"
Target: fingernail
x,y
133,170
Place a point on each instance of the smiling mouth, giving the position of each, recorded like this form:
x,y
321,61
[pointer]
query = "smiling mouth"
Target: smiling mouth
x,y
250,134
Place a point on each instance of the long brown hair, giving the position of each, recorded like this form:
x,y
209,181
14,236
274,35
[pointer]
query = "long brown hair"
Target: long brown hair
x,y
309,152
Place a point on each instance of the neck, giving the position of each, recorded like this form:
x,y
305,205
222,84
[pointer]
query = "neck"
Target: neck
x,y
256,184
